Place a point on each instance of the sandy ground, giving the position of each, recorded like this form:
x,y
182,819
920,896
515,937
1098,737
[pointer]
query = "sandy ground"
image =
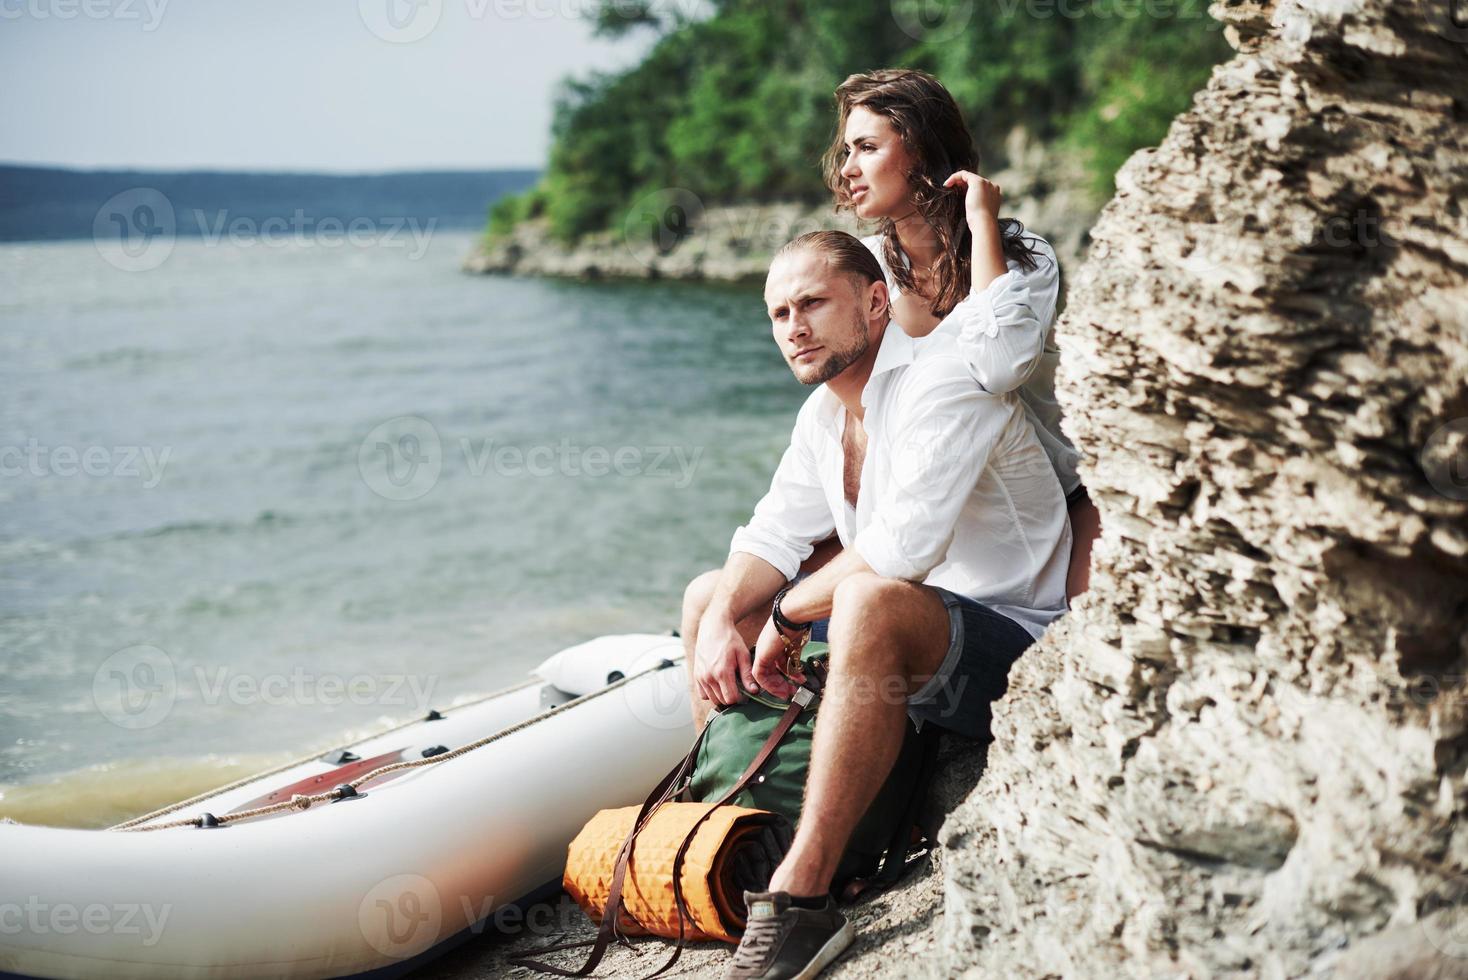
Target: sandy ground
x,y
896,931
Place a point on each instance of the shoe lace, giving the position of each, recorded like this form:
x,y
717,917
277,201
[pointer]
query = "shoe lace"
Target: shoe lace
x,y
761,935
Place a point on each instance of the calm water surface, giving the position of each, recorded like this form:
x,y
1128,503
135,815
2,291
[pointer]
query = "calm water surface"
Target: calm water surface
x,y
260,499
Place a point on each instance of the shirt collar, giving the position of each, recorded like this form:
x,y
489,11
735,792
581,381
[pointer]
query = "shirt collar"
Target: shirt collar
x,y
897,350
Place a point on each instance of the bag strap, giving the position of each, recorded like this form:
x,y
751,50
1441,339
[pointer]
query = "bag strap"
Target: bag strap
x,y
667,788
803,697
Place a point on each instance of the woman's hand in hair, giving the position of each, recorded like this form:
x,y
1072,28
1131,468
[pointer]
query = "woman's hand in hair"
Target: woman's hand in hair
x,y
981,197
981,200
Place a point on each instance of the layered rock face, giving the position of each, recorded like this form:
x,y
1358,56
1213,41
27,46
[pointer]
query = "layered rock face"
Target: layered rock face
x,y
1243,753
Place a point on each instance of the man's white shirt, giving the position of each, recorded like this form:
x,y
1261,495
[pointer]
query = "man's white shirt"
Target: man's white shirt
x,y
956,489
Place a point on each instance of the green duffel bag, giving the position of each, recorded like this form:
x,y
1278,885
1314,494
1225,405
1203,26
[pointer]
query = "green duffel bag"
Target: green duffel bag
x,y
737,732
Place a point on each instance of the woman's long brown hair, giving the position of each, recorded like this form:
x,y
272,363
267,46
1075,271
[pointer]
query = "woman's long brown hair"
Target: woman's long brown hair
x,y
931,126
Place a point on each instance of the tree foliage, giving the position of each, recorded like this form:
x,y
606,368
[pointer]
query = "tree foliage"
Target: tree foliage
x,y
736,104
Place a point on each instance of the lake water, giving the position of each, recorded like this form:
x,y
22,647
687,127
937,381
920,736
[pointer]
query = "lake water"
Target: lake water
x,y
264,498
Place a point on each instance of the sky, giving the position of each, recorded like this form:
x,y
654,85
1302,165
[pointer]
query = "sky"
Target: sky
x,y
319,85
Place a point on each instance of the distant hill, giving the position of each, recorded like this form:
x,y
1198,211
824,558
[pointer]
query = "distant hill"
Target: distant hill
x,y
51,203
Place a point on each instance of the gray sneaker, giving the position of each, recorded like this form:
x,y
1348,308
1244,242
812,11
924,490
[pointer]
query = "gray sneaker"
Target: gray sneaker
x,y
785,942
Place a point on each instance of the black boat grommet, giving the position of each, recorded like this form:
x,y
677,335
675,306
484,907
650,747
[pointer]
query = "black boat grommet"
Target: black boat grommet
x,y
346,791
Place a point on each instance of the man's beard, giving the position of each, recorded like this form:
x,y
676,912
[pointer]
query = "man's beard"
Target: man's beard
x,y
838,361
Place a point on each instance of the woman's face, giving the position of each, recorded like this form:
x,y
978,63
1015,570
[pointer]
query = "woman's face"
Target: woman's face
x,y
876,166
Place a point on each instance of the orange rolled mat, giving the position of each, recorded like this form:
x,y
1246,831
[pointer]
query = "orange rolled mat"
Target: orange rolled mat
x,y
735,849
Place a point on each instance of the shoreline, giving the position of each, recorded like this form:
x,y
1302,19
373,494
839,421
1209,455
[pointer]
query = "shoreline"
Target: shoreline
x,y
671,234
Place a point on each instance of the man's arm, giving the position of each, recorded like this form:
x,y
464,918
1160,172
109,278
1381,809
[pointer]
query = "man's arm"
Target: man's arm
x,y
764,555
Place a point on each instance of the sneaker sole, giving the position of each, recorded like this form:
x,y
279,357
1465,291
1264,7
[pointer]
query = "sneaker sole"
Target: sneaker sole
x,y
834,947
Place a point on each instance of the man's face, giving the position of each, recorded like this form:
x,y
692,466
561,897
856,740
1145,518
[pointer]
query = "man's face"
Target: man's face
x,y
818,316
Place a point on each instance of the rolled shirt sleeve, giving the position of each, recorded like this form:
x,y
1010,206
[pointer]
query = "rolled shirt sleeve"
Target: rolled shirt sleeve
x,y
941,434
793,514
1002,329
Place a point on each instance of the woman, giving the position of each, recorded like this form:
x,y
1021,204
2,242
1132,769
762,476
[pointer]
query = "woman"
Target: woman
x,y
903,157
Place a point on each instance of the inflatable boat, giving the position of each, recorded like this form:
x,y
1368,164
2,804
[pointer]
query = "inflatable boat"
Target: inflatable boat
x,y
368,860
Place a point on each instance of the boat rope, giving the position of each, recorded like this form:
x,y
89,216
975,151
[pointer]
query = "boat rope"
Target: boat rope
x,y
301,801
313,757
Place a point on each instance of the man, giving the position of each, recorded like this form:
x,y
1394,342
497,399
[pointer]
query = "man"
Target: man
x,y
956,544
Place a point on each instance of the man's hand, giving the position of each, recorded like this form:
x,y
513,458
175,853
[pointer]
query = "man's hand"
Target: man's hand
x,y
981,198
722,661
769,656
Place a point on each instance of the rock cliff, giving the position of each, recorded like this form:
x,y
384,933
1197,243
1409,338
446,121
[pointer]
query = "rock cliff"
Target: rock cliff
x,y
1243,752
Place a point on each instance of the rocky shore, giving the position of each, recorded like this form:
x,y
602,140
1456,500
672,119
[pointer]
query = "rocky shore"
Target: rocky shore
x,y
672,234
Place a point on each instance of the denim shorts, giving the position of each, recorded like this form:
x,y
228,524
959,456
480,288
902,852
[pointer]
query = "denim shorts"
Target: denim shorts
x,y
982,646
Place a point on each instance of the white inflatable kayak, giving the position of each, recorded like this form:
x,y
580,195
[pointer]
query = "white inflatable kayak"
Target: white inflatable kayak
x,y
422,856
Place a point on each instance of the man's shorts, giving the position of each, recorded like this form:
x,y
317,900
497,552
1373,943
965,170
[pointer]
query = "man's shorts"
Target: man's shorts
x,y
982,646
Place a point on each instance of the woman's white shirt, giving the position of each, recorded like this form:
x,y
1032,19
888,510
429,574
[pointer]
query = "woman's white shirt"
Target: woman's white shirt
x,y
1004,331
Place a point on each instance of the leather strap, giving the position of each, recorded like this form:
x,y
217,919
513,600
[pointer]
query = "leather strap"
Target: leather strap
x,y
667,788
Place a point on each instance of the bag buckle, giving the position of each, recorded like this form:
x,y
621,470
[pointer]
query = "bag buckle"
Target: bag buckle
x,y
803,696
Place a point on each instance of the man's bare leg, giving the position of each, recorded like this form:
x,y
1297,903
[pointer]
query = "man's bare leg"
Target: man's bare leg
x,y
887,638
